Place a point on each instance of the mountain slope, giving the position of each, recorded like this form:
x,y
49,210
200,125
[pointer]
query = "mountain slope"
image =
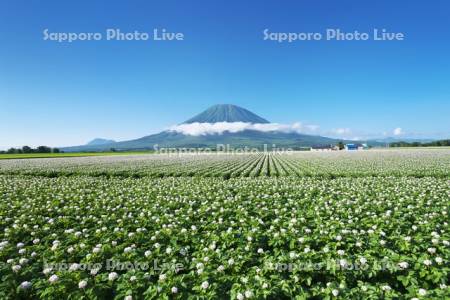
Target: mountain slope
x,y
217,113
247,138
226,113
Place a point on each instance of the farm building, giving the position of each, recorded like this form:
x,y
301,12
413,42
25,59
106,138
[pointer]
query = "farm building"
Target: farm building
x,y
349,147
352,147
364,146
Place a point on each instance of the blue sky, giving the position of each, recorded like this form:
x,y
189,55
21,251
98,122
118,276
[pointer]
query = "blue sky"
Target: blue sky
x,y
61,94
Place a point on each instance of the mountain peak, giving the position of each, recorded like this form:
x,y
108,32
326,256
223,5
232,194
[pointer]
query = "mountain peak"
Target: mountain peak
x,y
226,113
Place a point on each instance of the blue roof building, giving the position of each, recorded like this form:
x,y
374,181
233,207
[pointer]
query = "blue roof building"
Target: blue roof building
x,y
351,147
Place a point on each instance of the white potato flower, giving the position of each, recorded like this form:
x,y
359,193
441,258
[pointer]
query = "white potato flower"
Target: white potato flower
x,y
25,285
16,268
82,284
427,262
112,276
422,292
386,288
54,278
205,285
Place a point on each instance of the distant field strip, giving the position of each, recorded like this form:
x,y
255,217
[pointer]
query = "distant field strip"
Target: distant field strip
x,y
61,155
405,162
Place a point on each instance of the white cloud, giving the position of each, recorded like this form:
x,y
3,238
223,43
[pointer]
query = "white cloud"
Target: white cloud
x,y
398,131
312,128
341,131
197,129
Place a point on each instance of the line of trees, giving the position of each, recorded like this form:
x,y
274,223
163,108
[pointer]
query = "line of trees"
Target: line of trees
x,y
439,143
27,149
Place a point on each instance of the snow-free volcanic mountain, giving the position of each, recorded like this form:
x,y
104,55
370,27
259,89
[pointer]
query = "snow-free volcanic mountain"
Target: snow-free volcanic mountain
x,y
255,133
226,113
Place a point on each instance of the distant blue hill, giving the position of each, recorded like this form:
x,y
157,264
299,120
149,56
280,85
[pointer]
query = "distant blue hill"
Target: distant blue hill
x,y
216,113
99,141
403,139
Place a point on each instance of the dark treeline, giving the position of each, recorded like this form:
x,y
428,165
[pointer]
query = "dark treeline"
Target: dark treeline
x,y
27,149
417,144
